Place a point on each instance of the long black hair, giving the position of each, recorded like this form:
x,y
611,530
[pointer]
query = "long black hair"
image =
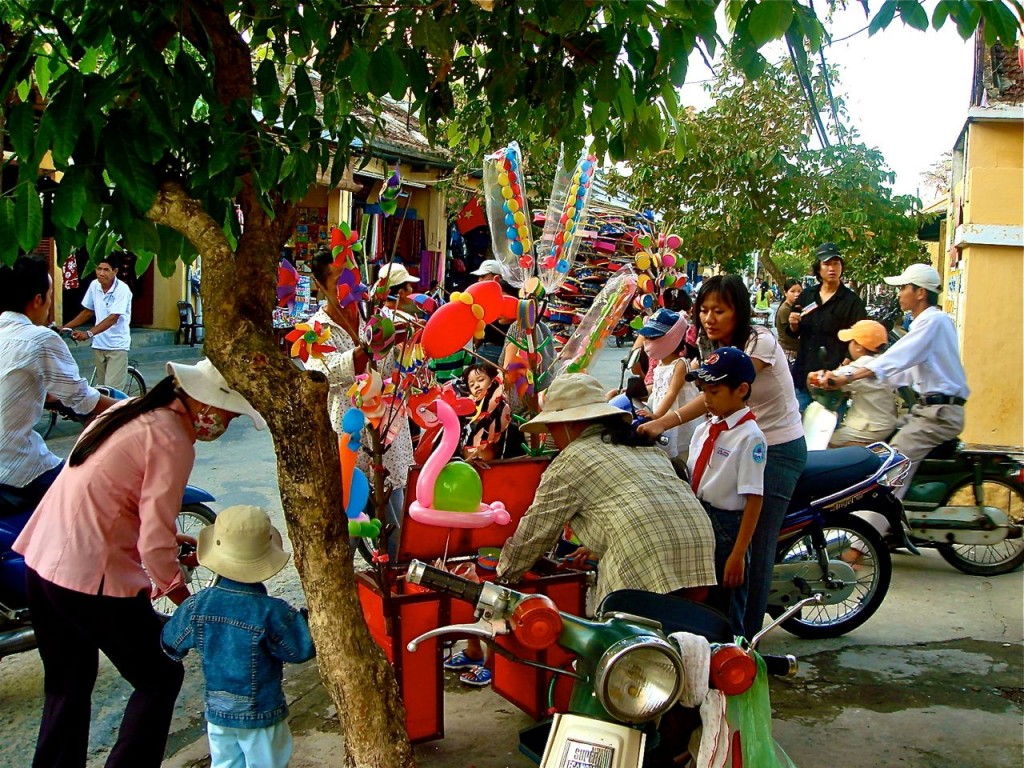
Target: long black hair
x,y
618,431
736,296
160,396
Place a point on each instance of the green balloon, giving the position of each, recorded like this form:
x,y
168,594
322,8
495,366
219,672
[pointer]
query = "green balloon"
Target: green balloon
x,y
458,488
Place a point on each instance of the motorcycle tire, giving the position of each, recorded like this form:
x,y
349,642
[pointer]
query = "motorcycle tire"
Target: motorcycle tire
x,y
987,559
191,519
874,573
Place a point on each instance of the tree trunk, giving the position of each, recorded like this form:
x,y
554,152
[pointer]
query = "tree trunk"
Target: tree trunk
x,y
240,342
771,266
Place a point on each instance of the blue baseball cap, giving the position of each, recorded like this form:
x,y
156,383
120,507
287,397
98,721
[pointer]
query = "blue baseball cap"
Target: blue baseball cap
x,y
658,324
726,364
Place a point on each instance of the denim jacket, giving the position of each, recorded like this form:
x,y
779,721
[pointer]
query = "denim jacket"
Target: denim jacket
x,y
243,637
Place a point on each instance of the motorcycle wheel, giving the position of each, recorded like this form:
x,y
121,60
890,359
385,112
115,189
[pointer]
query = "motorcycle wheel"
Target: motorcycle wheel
x,y
191,519
987,559
874,573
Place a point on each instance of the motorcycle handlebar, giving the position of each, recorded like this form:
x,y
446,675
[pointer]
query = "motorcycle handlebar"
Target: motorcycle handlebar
x,y
780,666
443,581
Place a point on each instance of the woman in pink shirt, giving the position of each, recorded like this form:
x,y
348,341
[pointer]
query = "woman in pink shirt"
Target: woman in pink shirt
x,y
101,545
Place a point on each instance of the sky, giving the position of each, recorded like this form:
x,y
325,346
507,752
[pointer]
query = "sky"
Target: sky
x,y
907,92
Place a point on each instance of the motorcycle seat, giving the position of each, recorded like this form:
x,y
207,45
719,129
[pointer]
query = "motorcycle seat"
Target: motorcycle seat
x,y
11,527
676,614
946,450
832,470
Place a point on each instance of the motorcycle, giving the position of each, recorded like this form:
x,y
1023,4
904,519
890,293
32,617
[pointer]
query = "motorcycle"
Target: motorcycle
x,y
825,549
16,632
633,700
966,501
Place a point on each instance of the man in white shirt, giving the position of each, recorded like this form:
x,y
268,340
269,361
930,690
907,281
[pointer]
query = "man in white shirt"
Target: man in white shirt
x,y
34,364
929,358
109,300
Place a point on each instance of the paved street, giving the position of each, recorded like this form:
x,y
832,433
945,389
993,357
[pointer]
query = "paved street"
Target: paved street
x,y
933,679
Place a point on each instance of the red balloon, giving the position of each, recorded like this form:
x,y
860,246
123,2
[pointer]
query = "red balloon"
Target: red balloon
x,y
509,308
488,295
449,329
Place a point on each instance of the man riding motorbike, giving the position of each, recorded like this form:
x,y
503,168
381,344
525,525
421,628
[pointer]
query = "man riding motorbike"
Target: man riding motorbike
x,y
34,363
929,358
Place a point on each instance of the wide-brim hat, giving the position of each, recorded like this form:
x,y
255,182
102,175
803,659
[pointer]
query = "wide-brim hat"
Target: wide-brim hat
x,y
242,545
921,275
204,383
396,274
573,397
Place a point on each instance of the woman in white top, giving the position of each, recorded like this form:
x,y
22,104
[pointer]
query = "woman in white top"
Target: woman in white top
x,y
723,320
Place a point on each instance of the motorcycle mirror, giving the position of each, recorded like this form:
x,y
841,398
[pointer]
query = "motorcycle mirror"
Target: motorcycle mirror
x,y
632,358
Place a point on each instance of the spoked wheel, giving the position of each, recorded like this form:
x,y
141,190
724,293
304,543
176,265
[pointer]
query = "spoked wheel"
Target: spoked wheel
x,y
46,423
859,559
136,385
191,520
987,559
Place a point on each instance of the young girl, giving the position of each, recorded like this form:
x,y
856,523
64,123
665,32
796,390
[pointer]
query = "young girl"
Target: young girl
x,y
485,432
664,339
791,293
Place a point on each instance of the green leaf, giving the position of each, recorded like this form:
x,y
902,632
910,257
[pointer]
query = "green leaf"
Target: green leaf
x,y
87,64
28,214
381,72
64,116
883,18
8,232
769,20
913,14
69,201
942,11
166,263
133,178
141,237
21,124
304,92
42,72
359,72
142,261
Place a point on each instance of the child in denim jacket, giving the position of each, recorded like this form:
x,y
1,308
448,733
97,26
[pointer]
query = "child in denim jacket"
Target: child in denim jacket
x,y
243,637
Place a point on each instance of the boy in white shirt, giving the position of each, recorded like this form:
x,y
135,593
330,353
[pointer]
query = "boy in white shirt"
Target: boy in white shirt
x,y
872,413
726,467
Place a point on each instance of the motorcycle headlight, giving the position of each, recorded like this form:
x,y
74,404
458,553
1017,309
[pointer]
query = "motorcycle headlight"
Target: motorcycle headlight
x,y
638,678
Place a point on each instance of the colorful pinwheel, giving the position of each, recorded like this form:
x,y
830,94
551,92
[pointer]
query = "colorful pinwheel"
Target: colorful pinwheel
x,y
309,340
287,279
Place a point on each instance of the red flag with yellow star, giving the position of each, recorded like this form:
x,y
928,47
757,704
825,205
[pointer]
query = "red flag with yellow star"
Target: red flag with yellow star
x,y
471,216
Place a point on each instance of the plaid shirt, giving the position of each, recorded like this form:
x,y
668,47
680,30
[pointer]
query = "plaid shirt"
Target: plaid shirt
x,y
628,507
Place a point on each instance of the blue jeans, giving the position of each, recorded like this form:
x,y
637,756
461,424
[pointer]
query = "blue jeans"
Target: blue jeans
x,y
394,513
240,747
731,602
783,467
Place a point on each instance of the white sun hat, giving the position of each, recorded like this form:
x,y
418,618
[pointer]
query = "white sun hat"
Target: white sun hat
x,y
573,397
204,383
242,545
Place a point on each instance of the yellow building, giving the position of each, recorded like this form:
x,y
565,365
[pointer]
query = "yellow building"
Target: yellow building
x,y
982,262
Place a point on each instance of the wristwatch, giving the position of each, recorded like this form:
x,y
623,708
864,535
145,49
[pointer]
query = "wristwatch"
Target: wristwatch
x,y
89,334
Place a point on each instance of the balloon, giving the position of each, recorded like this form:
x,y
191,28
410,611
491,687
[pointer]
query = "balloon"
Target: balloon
x,y
449,329
509,308
507,212
458,488
359,494
588,338
488,295
567,211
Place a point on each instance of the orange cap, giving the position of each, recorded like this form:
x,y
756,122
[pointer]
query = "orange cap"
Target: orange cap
x,y
870,334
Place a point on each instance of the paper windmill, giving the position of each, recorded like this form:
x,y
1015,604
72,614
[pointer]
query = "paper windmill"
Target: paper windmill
x,y
344,245
388,200
351,288
287,279
309,340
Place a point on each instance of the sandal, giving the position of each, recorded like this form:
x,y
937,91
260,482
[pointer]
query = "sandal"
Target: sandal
x,y
478,676
460,660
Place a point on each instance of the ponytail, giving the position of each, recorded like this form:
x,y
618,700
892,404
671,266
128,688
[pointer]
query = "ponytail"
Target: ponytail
x,y
107,424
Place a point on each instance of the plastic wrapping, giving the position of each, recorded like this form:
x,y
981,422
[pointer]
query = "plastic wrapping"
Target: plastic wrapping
x,y
588,339
567,214
508,214
750,715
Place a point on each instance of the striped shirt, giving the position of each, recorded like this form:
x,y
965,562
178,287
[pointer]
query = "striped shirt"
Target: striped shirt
x,y
627,506
34,363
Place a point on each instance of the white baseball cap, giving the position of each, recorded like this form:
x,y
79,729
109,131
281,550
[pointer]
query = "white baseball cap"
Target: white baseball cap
x,y
396,274
921,275
488,267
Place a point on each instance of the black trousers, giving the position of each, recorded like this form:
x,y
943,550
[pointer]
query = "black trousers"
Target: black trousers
x,y
71,629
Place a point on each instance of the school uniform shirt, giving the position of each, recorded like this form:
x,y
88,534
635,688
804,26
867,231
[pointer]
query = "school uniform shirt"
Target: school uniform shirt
x,y
116,301
736,468
34,362
872,409
929,356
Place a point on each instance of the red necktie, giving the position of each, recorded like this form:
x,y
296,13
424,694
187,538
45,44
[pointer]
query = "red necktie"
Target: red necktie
x,y
717,428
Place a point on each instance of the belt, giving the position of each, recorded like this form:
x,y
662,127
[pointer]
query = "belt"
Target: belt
x,y
943,400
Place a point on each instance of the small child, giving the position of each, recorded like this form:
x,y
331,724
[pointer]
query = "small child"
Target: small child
x,y
485,432
664,335
726,465
872,413
242,636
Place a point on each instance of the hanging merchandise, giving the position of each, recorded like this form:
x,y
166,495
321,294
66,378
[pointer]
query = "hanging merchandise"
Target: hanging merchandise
x,y
566,217
589,338
508,214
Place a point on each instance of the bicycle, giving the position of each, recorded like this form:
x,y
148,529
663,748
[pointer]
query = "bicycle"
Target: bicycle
x,y
52,410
